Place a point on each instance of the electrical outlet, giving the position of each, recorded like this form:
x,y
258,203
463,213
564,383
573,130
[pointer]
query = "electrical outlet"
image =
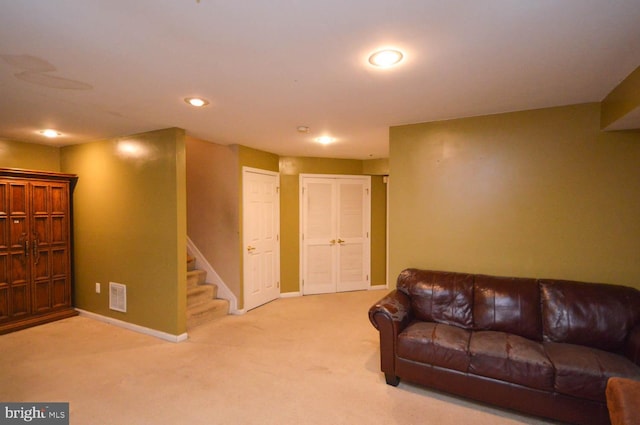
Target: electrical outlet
x,y
97,287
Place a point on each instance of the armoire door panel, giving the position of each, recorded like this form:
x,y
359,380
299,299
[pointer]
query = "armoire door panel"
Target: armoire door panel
x,y
4,301
59,262
19,271
41,230
42,296
19,304
59,233
19,233
18,199
59,199
4,200
60,296
39,198
41,269
4,268
4,233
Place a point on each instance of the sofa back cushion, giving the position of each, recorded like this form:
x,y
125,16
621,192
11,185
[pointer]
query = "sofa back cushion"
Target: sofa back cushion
x,y
442,297
508,304
595,315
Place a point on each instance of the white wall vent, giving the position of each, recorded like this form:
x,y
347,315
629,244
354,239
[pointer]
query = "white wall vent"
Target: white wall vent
x,y
117,297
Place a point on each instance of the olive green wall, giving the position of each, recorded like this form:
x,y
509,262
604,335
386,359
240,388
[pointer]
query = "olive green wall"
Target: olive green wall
x,y
378,230
30,156
374,167
622,101
254,158
540,193
290,170
130,226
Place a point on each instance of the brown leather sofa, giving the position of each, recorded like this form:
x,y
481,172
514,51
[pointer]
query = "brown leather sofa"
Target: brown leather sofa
x,y
539,346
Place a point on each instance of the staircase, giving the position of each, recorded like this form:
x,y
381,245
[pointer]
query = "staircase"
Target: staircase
x,y
202,304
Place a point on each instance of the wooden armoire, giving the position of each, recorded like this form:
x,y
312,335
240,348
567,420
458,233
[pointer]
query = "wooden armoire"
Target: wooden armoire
x,y
35,248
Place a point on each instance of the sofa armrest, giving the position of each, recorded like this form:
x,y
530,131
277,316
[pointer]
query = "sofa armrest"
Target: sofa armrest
x,y
390,316
395,307
632,347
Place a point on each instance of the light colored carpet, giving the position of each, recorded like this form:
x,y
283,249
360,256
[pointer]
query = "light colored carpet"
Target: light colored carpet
x,y
306,360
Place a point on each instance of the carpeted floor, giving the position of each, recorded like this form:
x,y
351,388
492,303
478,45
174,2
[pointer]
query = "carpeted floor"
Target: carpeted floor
x,y
306,360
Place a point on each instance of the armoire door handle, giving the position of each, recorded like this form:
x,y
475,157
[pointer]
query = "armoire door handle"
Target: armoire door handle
x,y
36,253
26,247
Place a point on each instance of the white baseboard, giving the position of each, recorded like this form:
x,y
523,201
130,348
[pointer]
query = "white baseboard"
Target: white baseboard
x,y
290,294
133,327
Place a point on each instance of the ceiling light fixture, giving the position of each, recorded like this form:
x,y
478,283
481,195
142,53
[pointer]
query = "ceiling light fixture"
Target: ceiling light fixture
x,y
50,133
385,58
196,101
325,140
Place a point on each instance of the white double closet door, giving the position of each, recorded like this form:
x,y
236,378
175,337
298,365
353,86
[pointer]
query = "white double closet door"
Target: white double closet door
x,y
335,221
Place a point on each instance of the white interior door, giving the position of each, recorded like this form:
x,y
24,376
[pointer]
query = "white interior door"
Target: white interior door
x,y
261,229
335,226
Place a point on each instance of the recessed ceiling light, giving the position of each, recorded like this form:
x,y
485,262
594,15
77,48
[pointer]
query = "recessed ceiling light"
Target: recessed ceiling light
x,y
196,101
385,58
50,133
325,140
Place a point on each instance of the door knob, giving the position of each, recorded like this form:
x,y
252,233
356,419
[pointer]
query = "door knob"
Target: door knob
x,y
250,248
332,241
341,241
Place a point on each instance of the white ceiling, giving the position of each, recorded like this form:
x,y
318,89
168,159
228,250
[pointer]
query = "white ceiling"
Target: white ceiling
x,y
95,69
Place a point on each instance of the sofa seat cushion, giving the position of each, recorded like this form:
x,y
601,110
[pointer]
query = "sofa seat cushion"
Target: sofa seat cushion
x,y
583,371
436,344
510,358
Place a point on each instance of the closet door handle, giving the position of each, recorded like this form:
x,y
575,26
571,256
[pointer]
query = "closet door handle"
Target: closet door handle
x,y
26,247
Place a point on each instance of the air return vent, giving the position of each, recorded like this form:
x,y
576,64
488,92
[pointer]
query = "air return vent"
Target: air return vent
x,y
117,297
